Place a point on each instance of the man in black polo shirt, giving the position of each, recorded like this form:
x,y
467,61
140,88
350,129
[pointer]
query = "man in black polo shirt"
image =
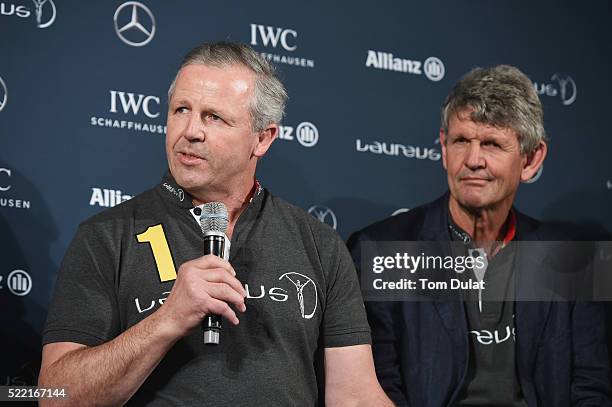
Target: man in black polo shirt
x,y
485,348
124,323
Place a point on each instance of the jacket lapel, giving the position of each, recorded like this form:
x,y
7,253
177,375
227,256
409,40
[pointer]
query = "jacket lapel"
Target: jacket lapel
x,y
435,229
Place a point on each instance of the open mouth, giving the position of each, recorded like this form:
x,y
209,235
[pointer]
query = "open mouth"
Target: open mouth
x,y
189,158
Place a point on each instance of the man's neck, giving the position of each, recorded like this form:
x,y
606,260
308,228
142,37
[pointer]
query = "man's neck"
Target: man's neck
x,y
236,201
484,225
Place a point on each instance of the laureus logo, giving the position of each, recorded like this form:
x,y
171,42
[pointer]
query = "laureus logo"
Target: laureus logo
x,y
306,293
44,12
3,94
562,86
324,215
45,16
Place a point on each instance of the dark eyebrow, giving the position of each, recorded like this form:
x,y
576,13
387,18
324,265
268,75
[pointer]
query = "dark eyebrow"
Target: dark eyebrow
x,y
494,139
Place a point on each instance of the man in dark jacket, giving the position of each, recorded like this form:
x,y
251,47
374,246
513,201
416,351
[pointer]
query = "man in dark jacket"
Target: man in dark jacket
x,y
476,351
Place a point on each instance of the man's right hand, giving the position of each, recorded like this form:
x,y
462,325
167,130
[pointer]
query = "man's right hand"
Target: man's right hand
x,y
203,286
110,373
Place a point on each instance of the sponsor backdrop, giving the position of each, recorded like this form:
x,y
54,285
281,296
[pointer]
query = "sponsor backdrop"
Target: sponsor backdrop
x,y
83,104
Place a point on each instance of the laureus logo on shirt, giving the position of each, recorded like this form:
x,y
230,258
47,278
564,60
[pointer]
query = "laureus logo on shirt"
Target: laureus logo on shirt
x,y
177,192
486,337
306,290
306,296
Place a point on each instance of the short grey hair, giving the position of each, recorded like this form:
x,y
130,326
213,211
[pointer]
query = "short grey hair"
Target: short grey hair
x,y
269,95
500,96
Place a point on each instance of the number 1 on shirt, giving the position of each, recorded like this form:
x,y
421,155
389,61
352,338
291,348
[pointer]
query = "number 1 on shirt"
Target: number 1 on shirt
x,y
155,236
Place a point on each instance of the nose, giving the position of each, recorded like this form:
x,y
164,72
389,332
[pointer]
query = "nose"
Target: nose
x,y
474,159
195,129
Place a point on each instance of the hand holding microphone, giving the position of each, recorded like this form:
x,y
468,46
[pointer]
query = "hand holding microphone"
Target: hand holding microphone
x,y
205,286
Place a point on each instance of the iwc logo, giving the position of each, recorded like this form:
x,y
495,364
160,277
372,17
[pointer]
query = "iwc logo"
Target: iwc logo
x,y
139,29
6,185
272,38
135,111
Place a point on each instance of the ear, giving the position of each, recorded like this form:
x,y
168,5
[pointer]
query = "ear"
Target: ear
x,y
265,138
443,146
533,161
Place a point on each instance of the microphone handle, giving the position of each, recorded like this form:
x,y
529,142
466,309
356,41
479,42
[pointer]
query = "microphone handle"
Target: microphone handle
x,y
214,243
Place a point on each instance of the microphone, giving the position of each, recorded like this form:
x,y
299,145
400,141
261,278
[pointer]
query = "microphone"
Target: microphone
x,y
214,224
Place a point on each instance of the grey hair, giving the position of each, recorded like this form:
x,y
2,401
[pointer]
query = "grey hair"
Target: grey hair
x,y
500,96
269,95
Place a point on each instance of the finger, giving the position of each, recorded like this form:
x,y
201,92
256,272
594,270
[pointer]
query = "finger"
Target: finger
x,y
221,308
210,261
221,276
225,292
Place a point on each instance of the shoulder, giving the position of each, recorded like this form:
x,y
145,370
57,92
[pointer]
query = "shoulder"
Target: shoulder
x,y
126,208
114,221
404,226
297,218
529,228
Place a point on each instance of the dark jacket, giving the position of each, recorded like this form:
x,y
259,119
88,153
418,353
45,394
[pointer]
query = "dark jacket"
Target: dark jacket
x,y
421,349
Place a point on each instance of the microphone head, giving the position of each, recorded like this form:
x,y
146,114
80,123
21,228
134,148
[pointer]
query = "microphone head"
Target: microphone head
x,y
214,217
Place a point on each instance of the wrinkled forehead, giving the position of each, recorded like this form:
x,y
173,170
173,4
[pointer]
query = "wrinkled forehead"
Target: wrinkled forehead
x,y
229,80
467,123
477,116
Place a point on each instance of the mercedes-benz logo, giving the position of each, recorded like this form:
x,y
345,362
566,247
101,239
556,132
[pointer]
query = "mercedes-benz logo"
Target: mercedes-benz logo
x,y
134,29
324,214
3,94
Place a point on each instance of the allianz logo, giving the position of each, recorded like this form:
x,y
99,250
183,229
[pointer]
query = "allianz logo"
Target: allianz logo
x,y
432,67
107,198
398,150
